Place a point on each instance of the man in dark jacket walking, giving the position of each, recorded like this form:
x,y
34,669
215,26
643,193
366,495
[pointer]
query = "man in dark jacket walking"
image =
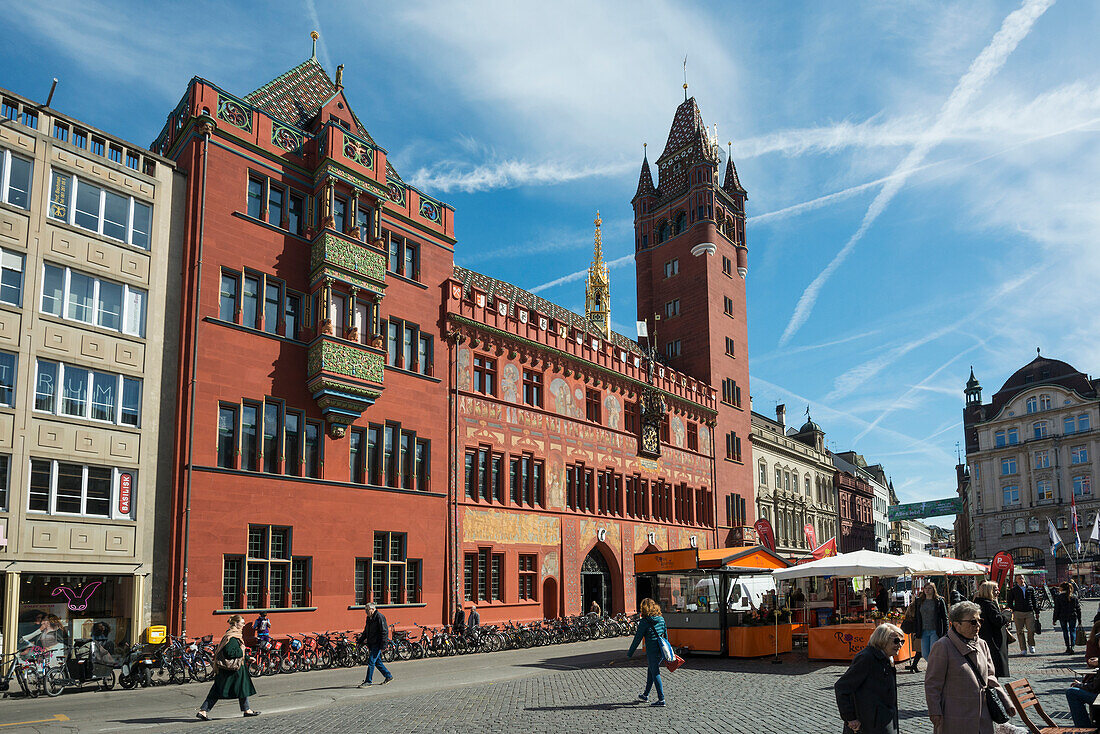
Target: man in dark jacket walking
x,y
376,635
867,693
1024,606
458,624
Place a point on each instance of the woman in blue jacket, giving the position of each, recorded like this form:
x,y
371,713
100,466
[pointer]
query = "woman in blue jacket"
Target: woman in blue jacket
x,y
652,628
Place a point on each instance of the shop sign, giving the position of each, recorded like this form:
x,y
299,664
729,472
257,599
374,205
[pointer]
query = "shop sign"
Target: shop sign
x,y
78,601
125,484
765,534
1001,568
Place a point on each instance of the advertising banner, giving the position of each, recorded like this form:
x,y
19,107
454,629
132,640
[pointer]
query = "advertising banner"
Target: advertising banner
x,y
811,535
1000,570
765,534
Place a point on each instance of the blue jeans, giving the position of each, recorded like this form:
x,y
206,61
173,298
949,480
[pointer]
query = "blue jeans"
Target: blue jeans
x,y
1079,700
653,674
927,639
375,661
1069,631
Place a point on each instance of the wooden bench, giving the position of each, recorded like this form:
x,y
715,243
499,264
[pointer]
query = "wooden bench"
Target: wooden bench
x,y
1024,698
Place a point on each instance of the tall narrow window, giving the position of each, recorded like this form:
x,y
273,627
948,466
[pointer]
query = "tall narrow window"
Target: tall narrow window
x,y
251,302
340,213
292,315
313,449
227,437
292,444
374,454
296,214
249,439
272,306
390,454
275,199
11,276
271,437
355,455
255,197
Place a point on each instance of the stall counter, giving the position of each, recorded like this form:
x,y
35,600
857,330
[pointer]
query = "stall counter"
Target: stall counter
x,y
843,641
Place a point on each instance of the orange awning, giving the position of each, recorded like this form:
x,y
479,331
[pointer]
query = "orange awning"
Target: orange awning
x,y
746,557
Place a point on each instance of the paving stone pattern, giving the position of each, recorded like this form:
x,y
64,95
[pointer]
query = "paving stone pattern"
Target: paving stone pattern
x,y
706,695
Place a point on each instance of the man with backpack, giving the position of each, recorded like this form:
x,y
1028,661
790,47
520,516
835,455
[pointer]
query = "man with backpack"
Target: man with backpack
x,y
376,636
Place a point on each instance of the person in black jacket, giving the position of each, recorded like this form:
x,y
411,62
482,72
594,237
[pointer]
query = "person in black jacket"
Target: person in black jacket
x,y
867,693
1067,612
458,625
376,635
882,599
994,629
1024,606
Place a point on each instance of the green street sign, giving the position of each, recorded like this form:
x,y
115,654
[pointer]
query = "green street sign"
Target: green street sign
x,y
933,508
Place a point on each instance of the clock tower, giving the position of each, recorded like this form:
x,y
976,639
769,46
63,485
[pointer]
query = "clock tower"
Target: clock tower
x,y
692,262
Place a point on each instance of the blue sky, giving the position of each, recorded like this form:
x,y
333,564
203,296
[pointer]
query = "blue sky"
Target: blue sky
x,y
922,176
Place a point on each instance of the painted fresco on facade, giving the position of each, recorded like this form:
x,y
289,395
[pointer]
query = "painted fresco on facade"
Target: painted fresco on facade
x,y
550,565
464,358
509,383
567,402
499,526
614,411
677,425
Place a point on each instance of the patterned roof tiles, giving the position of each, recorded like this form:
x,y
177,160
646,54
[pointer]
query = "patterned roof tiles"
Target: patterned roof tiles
x,y
645,181
514,295
686,124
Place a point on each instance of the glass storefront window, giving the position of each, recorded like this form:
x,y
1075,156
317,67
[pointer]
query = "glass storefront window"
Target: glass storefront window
x,y
54,611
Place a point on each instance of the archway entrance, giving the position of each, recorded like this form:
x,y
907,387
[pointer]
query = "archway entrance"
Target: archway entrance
x,y
595,582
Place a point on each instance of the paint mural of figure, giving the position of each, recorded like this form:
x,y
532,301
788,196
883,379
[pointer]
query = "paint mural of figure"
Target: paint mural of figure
x,y
614,411
463,369
564,403
677,425
555,472
509,383
704,439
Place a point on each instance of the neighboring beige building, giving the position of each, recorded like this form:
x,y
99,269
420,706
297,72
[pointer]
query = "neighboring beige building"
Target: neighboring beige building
x,y
85,374
1029,450
794,482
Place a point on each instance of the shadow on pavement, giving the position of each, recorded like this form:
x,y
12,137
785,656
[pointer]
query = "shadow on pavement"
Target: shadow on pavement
x,y
589,707
159,720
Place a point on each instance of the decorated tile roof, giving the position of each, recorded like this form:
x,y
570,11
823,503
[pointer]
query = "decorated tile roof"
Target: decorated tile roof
x,y
732,184
298,95
686,124
515,296
645,181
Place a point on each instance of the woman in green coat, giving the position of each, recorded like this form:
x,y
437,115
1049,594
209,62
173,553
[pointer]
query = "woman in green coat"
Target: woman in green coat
x,y
230,683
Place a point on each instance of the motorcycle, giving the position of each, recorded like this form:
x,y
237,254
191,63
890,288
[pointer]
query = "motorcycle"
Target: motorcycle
x,y
139,667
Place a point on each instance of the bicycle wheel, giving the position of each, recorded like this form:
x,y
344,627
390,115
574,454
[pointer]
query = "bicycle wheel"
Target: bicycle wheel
x,y
255,667
108,683
56,679
202,668
28,681
177,671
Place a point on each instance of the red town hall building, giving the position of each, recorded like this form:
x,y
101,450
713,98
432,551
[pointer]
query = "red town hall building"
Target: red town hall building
x,y
359,420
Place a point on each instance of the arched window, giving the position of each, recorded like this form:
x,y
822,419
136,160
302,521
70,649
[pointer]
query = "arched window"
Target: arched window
x,y
1033,524
681,222
1040,429
1060,523
787,481
1006,527
763,473
1044,402
664,233
809,493
1020,525
1032,404
778,478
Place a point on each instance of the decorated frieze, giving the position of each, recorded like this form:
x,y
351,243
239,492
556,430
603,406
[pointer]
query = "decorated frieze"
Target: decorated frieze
x,y
339,258
235,112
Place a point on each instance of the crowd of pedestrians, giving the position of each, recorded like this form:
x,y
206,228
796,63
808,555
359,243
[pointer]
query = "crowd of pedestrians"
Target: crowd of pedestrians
x,y
966,648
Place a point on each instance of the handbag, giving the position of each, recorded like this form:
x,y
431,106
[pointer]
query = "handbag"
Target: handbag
x,y
909,625
1038,626
671,660
223,663
993,702
1082,637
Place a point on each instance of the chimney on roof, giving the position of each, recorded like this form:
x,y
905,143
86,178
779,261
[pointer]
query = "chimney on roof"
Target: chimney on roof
x,y
781,415
340,76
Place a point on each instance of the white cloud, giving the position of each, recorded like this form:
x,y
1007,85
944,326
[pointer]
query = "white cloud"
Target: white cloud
x,y
452,175
616,263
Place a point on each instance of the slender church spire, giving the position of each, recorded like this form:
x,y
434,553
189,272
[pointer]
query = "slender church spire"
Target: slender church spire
x,y
597,301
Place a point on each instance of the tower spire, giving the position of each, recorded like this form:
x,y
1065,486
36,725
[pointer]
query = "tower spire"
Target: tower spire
x,y
597,304
314,35
685,78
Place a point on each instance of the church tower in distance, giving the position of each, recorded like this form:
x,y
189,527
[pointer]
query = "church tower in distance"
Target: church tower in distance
x,y
692,261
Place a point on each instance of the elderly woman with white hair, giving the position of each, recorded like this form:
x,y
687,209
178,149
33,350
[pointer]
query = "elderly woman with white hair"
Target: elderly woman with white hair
x,y
960,672
867,693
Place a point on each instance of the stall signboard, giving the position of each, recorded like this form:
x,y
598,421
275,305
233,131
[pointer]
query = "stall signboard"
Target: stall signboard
x,y
932,508
677,560
125,485
1001,568
764,532
811,534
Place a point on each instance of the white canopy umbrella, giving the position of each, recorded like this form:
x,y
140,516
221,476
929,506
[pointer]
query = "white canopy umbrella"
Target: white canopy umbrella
x,y
928,565
848,565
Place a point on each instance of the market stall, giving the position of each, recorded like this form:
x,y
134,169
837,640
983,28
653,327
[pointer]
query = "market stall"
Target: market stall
x,y
841,641
719,600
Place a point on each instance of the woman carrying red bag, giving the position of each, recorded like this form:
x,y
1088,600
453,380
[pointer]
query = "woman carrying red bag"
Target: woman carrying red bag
x,y
652,628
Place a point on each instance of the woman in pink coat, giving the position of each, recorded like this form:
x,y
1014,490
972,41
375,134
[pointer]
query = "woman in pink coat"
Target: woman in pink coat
x,y
960,668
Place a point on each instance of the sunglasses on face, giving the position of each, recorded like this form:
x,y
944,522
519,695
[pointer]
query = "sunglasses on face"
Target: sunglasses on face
x,y
898,641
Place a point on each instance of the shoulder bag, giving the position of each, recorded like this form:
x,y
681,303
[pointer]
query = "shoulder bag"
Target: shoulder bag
x,y
1082,637
669,658
230,664
997,710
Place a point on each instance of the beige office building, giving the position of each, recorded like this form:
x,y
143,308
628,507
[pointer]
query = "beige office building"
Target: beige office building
x,y
794,483
85,225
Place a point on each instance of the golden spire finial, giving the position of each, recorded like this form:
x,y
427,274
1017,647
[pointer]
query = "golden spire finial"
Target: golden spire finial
x,y
598,288
314,35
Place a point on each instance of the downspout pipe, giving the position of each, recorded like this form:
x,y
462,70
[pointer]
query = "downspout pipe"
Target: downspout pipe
x,y
206,125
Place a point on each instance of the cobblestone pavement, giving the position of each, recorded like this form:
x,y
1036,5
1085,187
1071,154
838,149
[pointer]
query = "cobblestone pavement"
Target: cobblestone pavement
x,y
706,695
585,688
